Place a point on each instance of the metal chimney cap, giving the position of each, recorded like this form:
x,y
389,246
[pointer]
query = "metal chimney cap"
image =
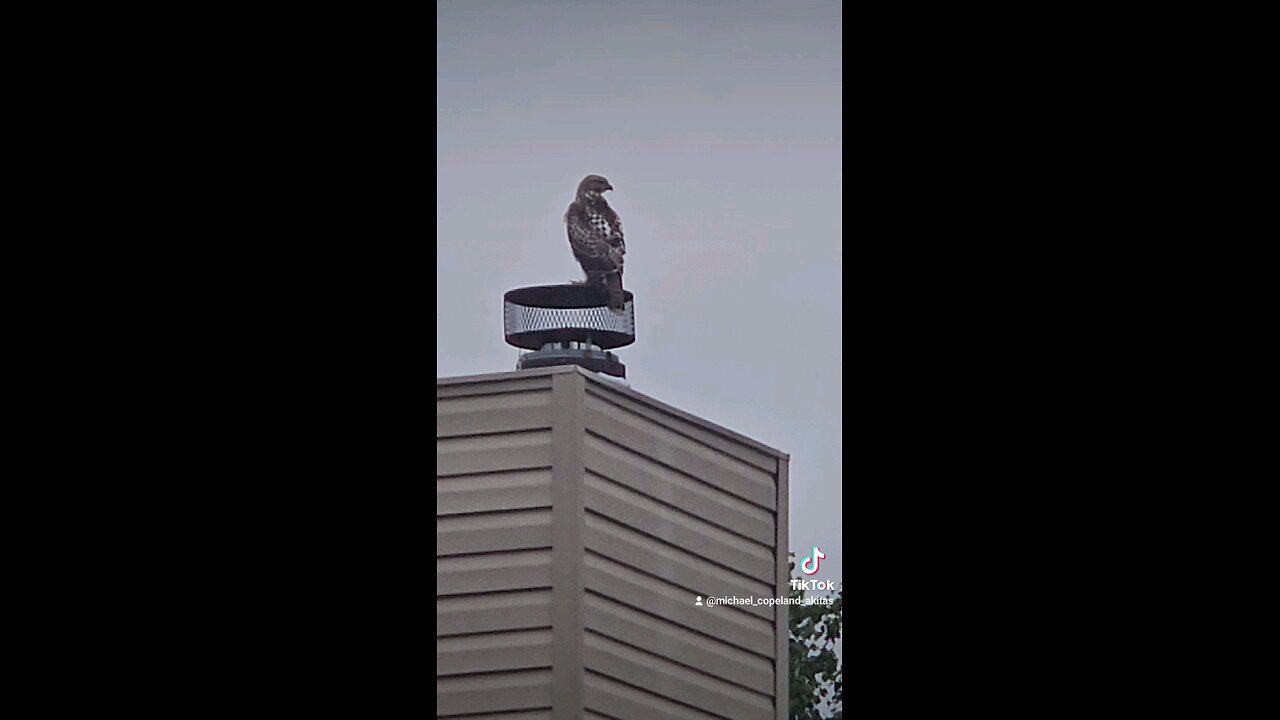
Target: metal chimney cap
x,y
534,317
561,296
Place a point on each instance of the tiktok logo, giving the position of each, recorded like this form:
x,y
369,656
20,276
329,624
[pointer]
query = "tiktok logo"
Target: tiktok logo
x,y
812,562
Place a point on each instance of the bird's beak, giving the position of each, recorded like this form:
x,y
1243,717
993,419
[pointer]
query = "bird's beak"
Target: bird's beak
x,y
608,187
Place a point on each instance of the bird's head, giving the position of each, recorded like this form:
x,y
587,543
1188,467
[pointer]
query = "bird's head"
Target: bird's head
x,y
593,185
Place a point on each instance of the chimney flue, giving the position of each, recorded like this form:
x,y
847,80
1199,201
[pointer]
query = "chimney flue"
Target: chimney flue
x,y
568,325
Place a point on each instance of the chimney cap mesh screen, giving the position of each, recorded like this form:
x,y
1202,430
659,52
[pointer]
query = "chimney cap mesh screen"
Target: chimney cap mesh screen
x,y
535,316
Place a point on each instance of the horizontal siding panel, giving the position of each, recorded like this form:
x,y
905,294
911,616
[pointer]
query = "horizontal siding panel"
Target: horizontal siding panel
x,y
460,615
492,387
496,491
656,635
494,692
505,401
746,453
493,453
625,702
520,715
646,476
466,574
676,566
489,532
662,677
493,652
676,451
653,595
678,528
493,413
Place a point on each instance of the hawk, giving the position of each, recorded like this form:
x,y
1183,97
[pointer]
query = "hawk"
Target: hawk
x,y
595,235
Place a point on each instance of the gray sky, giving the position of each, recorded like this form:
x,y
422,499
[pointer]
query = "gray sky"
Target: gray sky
x,y
719,126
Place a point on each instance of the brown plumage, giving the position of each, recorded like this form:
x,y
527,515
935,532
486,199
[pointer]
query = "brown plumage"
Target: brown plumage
x,y
595,235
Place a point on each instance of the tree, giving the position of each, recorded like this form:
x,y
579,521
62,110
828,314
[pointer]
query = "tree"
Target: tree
x,y
816,674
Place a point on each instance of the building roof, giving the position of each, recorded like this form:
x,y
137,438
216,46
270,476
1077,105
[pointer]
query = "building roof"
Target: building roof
x,y
606,389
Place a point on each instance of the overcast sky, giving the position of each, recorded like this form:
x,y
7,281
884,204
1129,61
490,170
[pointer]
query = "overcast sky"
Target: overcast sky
x,y
719,126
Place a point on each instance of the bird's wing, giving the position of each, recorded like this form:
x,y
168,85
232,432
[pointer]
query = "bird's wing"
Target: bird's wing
x,y
615,226
609,226
607,222
590,244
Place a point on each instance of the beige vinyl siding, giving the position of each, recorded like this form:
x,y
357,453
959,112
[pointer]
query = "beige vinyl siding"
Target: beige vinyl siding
x,y
490,492
490,532
727,511
493,612
493,572
493,549
614,580
468,654
504,452
680,566
520,715
732,444
486,414
678,528
680,683
679,452
575,523
498,384
675,510
658,635
624,701
493,692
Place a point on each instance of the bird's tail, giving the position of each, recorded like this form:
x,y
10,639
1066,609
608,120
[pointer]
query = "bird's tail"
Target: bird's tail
x,y
613,285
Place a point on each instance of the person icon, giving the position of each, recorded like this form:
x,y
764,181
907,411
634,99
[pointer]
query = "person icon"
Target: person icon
x,y
697,600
